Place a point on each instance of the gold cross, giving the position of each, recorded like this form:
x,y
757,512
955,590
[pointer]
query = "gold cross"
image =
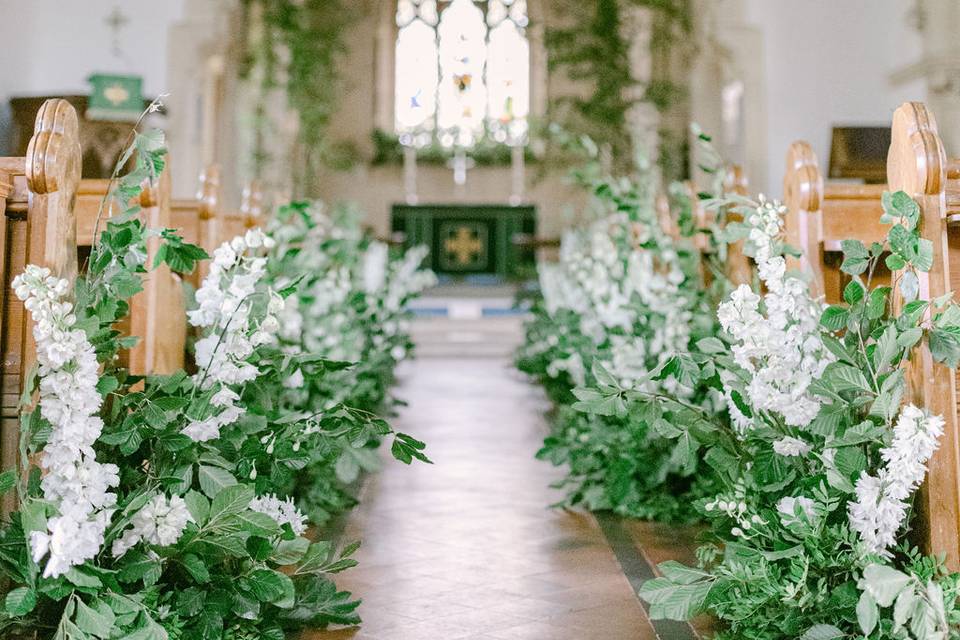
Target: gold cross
x,y
464,245
116,94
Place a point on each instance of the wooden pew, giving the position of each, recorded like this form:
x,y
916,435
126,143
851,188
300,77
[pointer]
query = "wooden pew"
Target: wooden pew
x,y
821,215
250,215
917,164
739,267
37,195
157,314
197,219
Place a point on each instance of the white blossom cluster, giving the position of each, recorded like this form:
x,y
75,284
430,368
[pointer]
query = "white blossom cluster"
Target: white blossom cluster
x,y
74,482
776,336
883,499
627,298
226,302
161,522
283,511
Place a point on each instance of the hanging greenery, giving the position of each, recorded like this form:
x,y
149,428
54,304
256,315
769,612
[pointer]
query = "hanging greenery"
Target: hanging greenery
x,y
296,47
593,47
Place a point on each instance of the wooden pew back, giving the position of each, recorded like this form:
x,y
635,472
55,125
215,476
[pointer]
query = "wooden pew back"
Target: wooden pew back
x,y
916,164
38,193
820,216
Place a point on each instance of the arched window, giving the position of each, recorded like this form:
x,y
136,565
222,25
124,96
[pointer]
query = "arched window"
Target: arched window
x,y
462,71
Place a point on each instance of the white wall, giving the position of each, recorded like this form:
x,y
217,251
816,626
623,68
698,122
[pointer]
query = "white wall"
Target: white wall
x,y
828,62
51,46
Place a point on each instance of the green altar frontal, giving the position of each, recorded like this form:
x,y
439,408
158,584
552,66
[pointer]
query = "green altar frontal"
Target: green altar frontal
x,y
470,239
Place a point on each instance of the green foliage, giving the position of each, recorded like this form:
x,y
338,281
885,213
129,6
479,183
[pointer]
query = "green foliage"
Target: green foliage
x,y
298,47
623,449
775,569
234,572
592,47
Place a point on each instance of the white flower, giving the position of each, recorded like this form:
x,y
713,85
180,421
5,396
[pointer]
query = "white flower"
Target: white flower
x,y
225,305
375,267
882,500
777,336
790,446
74,482
283,511
161,522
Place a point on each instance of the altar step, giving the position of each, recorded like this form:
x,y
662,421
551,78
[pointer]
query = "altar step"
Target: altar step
x,y
467,321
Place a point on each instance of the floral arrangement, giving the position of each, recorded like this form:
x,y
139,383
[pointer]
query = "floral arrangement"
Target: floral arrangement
x,y
349,307
167,506
624,298
809,529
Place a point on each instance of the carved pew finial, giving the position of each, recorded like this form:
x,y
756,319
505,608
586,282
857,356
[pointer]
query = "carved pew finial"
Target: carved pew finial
x,y
209,192
916,164
53,164
803,197
251,204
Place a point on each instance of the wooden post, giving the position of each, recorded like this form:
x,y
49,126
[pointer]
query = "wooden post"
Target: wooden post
x,y
916,164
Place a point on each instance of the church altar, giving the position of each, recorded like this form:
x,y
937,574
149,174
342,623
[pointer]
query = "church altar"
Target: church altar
x,y
469,239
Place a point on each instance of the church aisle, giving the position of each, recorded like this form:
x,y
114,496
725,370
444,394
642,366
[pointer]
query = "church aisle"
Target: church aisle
x,y
467,548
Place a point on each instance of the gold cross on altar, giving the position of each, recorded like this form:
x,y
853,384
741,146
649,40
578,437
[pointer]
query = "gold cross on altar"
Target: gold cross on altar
x,y
464,245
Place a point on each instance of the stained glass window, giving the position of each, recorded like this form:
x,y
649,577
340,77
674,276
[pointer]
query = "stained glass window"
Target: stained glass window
x,y
462,71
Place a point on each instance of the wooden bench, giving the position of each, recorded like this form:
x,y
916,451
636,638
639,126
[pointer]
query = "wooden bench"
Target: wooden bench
x,y
37,195
821,215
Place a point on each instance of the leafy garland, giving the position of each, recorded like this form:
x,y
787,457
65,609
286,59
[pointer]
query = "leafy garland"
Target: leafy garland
x,y
624,297
167,506
808,458
592,48
298,49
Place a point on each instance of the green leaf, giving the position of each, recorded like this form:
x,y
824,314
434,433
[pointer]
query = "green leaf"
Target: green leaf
x,y
909,286
894,262
867,613
258,524
196,567
944,347
21,601
923,260
901,205
213,480
672,601
290,551
822,632
855,257
884,583
94,622
844,377
230,501
834,318
711,345
909,338
8,480
680,573
853,292
198,506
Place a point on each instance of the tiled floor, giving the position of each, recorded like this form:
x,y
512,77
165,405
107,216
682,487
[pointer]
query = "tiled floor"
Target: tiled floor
x,y
467,548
